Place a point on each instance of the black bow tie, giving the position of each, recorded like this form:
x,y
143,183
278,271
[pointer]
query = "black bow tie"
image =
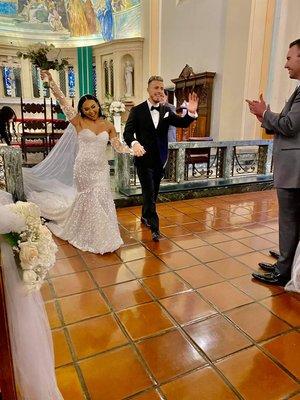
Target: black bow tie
x,y
154,108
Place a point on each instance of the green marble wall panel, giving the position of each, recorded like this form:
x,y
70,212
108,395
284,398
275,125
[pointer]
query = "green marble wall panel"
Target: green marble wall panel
x,y
12,165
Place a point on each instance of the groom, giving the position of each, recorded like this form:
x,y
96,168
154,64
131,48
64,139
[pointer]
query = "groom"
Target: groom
x,y
146,132
286,159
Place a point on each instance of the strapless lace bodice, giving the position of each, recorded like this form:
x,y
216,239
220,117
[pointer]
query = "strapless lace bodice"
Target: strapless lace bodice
x,y
92,145
86,135
91,160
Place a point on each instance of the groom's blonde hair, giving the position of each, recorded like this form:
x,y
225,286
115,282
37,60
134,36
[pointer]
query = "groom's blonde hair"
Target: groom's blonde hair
x,y
155,78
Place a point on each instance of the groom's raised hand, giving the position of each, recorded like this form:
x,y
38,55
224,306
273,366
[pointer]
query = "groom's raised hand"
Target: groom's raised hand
x,y
193,103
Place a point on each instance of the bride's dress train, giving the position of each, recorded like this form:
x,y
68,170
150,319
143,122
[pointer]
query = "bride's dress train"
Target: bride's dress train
x,y
294,284
83,214
29,330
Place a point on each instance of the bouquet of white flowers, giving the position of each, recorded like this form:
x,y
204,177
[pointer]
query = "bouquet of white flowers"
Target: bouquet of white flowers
x,y
117,107
31,241
38,56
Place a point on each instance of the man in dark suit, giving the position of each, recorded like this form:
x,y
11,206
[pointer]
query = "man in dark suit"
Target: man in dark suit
x,y
286,160
146,132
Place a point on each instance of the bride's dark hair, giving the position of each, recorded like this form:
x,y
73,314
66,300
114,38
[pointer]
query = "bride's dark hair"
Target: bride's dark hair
x,y
89,97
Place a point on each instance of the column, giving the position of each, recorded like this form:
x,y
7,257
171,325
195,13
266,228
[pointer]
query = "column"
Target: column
x,y
26,79
85,70
247,49
286,30
155,38
258,62
151,31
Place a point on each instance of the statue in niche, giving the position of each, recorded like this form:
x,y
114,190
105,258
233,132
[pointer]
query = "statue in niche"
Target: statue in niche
x,y
128,79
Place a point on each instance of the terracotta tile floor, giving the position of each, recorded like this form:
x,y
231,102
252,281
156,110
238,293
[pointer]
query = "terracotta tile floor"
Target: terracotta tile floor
x,y
180,319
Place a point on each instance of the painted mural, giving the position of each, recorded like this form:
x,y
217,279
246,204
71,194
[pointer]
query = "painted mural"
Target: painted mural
x,y
73,20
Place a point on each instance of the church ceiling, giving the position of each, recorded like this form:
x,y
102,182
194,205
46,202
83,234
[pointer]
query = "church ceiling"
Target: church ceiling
x,y
69,22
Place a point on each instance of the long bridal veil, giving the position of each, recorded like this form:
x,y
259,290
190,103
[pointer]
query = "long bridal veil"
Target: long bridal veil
x,y
30,335
49,184
294,284
55,173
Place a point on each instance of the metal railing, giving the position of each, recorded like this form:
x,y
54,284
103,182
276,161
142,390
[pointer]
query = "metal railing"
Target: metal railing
x,y
217,164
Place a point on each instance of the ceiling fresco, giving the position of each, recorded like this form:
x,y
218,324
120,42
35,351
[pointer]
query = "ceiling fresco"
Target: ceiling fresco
x,y
71,22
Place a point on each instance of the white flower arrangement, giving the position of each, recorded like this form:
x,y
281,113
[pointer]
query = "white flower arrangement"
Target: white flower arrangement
x,y
31,241
117,107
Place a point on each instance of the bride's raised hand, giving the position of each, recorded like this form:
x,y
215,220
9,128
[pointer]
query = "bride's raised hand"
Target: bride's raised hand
x,y
46,75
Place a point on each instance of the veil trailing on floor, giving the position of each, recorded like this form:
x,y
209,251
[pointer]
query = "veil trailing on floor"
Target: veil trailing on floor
x,y
294,284
50,183
55,173
30,335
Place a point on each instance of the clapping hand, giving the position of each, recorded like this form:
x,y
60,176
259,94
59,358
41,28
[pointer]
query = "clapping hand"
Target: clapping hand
x,y
257,107
193,103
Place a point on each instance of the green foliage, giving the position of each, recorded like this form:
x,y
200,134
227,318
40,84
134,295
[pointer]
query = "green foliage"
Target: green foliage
x,y
37,55
12,238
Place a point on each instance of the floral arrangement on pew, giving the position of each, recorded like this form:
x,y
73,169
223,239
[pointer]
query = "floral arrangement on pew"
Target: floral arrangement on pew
x,y
116,107
38,56
32,242
112,107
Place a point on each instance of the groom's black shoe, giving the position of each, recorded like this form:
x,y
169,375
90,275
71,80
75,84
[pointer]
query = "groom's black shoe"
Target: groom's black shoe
x,y
155,236
271,278
145,222
274,254
267,267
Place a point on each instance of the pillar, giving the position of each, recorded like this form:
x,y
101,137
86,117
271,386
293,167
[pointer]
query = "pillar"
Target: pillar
x,y
85,70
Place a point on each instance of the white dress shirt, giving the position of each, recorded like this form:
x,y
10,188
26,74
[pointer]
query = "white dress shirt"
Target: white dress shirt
x,y
154,113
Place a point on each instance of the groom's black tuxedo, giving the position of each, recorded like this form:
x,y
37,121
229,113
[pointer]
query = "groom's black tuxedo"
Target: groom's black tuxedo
x,y
140,127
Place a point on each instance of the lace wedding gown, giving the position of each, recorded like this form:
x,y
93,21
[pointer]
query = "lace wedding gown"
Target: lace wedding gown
x,y
87,217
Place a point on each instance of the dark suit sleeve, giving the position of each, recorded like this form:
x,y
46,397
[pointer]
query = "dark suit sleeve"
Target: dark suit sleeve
x,y
130,128
179,122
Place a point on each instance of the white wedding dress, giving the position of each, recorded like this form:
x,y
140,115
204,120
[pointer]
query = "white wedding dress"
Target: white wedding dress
x,y
294,284
72,186
83,214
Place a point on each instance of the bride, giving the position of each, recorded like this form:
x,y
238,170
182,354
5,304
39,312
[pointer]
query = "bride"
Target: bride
x,y
72,185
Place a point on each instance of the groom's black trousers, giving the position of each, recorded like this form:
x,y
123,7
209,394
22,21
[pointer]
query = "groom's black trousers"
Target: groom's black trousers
x,y
289,228
150,180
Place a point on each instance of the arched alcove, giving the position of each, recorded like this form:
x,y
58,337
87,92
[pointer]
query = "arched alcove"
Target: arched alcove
x,y
127,66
